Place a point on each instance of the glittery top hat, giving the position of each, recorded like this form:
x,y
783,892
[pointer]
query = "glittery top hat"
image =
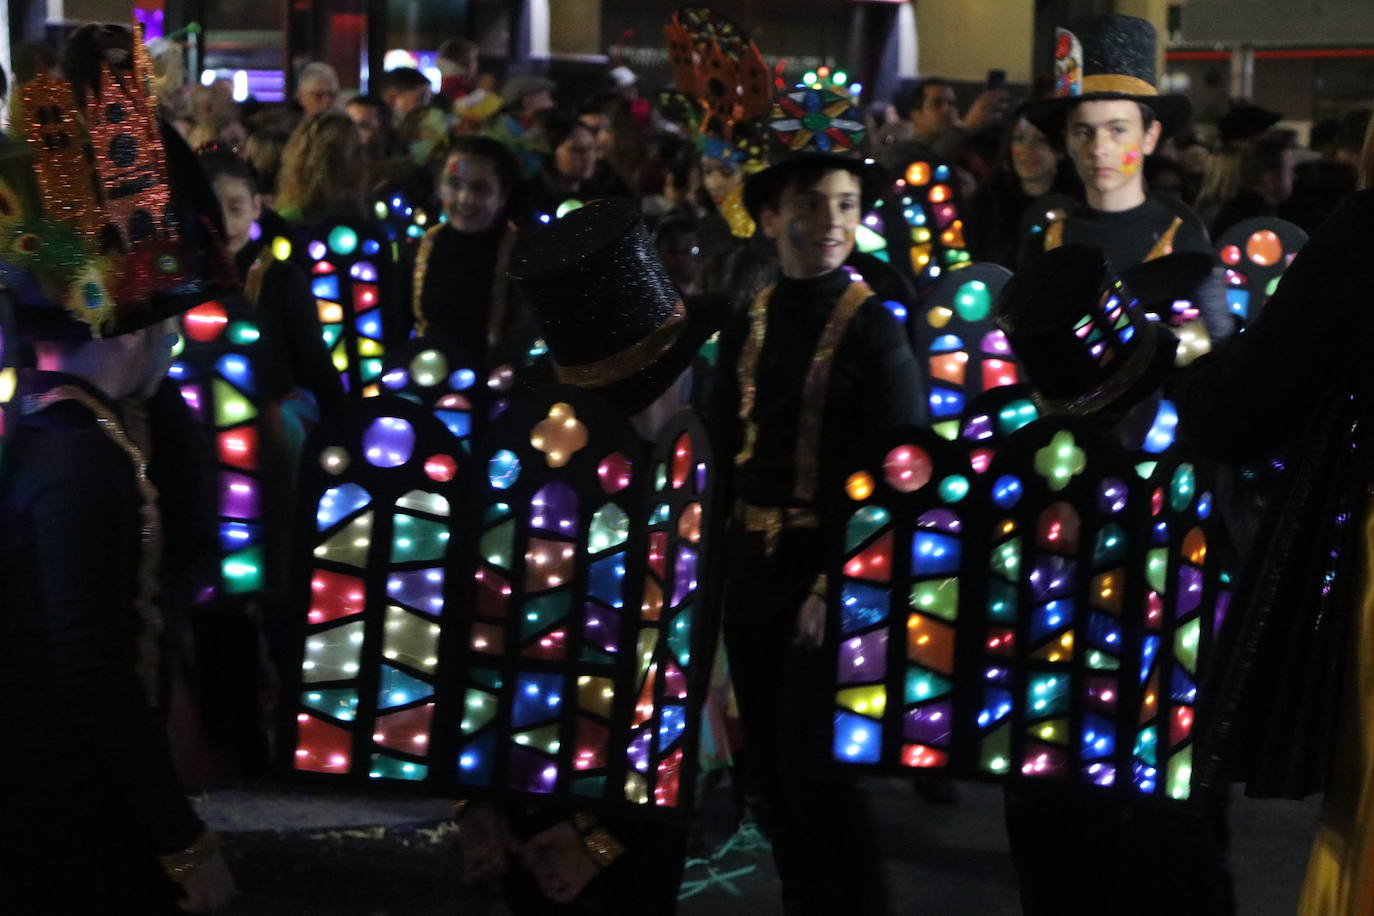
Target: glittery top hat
x,y
1080,334
107,224
813,127
611,318
1103,57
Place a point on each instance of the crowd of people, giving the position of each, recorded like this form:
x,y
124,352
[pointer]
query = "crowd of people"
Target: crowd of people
x,y
661,227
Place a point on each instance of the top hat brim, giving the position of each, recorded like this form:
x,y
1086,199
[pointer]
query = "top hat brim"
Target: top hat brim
x,y
1157,283
706,315
764,186
1049,115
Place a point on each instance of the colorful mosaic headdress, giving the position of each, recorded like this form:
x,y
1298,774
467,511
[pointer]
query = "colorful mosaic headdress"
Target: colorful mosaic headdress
x,y
99,224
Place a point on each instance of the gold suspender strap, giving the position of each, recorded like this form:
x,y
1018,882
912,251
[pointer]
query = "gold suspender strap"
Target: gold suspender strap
x,y
257,272
816,385
150,532
417,279
500,286
1054,235
748,371
1165,245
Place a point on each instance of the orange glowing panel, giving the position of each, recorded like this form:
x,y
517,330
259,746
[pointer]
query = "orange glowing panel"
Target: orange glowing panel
x,y
950,367
930,643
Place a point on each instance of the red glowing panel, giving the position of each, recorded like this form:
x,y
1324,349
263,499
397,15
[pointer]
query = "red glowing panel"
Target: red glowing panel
x,y
1154,610
1180,725
321,747
205,322
589,747
614,473
658,552
1102,693
334,595
364,297
874,563
930,643
1157,501
323,267
1231,255
1058,529
550,646
998,372
682,461
239,448
493,594
918,755
907,468
1001,641
406,731
669,773
441,467
674,682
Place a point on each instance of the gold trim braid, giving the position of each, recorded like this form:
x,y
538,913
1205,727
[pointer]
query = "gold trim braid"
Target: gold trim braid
x,y
1117,82
814,389
1165,245
748,371
257,273
150,534
417,292
634,358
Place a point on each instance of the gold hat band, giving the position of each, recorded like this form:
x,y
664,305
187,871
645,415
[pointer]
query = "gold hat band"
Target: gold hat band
x,y
1117,82
632,359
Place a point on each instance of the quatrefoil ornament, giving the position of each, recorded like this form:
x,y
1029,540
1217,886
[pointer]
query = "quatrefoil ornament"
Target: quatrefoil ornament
x,y
559,435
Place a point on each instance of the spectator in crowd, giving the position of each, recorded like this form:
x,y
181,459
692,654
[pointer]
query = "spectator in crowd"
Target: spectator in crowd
x,y
569,172
677,239
373,120
403,90
317,88
323,173
1266,181
933,113
457,63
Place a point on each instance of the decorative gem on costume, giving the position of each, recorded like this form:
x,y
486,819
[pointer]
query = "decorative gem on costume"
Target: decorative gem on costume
x,y
931,230
1068,63
964,351
440,378
715,61
1253,254
9,363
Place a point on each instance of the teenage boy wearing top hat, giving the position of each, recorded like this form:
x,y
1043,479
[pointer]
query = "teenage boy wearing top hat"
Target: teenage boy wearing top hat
x,y
814,366
1109,116
1078,849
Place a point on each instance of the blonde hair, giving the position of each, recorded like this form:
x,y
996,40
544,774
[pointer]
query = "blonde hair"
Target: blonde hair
x,y
322,170
1222,180
1367,158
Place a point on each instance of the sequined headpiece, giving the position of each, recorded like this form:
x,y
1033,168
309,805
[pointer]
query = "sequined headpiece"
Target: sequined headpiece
x,y
90,233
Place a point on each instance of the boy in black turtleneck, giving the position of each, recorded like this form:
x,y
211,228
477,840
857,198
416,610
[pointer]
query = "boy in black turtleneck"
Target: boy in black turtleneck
x,y
815,366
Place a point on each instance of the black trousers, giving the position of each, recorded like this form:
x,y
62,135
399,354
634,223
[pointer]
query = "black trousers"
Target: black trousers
x,y
824,845
1079,853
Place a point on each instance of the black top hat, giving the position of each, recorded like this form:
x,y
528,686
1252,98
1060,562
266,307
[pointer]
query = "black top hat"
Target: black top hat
x,y
1081,335
611,318
1104,57
812,129
1244,121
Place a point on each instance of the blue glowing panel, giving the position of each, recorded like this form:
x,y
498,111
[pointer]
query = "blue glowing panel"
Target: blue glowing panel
x,y
857,739
338,503
934,554
862,606
537,698
398,688
605,580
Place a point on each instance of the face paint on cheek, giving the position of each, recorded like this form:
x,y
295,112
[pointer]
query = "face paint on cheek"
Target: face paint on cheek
x,y
1130,160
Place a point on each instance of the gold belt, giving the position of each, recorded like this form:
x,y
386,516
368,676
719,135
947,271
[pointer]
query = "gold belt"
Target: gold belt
x,y
770,521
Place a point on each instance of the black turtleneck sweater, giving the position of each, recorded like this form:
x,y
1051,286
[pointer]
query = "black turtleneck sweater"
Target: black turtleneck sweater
x,y
875,384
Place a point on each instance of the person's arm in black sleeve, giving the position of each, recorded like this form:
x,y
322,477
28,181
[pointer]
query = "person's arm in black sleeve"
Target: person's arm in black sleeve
x,y
86,529
311,367
1241,401
895,386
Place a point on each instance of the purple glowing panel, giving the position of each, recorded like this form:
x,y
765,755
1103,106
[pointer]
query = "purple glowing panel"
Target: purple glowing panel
x,y
191,395
1112,497
1189,589
1219,615
940,520
238,496
639,750
532,772
602,628
863,658
995,342
388,442
1052,577
364,272
979,428
317,250
684,573
928,724
422,589
701,476
554,508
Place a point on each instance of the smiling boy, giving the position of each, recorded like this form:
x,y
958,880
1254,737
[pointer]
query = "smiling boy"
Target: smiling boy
x,y
815,367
